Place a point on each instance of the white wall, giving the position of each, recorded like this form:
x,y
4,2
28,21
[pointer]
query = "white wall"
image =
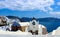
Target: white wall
x,y
56,32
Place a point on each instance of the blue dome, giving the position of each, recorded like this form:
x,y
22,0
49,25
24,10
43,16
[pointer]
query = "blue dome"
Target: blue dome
x,y
15,24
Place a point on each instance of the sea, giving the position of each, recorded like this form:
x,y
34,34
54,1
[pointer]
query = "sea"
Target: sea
x,y
50,26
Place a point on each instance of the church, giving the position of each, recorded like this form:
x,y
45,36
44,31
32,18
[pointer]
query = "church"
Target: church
x,y
36,28
33,27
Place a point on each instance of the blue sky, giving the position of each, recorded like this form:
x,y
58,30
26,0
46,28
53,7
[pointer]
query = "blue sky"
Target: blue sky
x,y
29,8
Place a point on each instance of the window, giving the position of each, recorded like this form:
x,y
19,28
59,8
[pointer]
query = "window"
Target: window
x,y
33,23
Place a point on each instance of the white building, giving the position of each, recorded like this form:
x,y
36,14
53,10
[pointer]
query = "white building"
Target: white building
x,y
56,32
3,20
35,28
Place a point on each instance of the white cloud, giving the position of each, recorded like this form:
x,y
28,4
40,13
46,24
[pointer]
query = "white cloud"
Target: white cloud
x,y
43,5
58,3
55,13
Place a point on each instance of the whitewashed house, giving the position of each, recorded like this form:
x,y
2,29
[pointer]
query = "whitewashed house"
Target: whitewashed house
x,y
3,20
56,32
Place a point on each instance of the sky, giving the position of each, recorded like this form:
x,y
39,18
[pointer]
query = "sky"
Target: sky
x,y
30,8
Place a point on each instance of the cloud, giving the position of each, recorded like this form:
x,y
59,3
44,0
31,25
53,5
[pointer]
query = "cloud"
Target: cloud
x,y
43,5
55,13
2,0
58,3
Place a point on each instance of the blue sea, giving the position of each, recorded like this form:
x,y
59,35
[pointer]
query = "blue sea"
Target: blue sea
x,y
51,25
